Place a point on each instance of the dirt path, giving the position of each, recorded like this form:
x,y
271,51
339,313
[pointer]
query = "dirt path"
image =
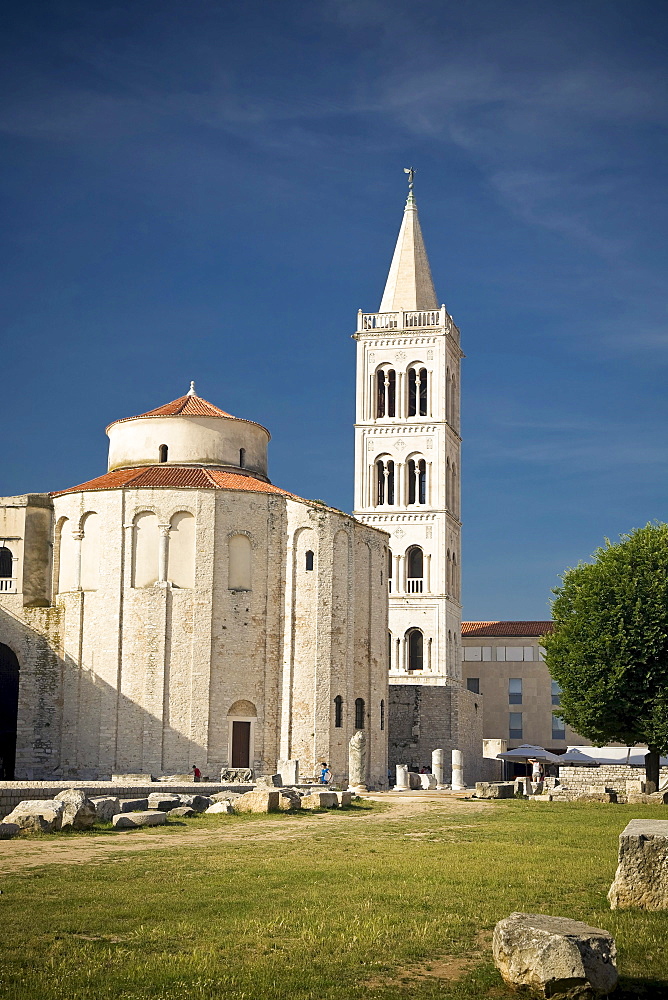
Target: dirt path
x,y
19,854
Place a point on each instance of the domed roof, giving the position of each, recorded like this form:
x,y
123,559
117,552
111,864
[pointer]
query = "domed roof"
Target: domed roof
x,y
190,405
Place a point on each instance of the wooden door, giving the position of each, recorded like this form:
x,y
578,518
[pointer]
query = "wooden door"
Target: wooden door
x,y
241,744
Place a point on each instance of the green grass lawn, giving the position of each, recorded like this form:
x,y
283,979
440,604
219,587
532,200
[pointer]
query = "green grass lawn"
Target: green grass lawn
x,y
354,909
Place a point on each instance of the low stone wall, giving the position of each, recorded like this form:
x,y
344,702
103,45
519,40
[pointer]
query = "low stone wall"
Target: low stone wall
x,y
613,776
13,792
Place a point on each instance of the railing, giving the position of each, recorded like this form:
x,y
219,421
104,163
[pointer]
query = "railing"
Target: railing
x,y
414,585
422,319
7,585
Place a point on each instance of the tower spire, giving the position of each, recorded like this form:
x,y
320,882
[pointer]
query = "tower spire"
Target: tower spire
x,y
409,283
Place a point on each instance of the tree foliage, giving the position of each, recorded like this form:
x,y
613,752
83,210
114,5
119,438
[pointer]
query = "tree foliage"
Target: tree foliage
x,y
609,647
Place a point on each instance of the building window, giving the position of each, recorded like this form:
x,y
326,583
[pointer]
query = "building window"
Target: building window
x,y
515,726
556,693
417,480
385,482
558,728
389,650
415,649
515,690
359,713
338,711
242,458
163,450
473,684
390,570
417,392
382,713
6,563
239,567
309,560
386,393
415,564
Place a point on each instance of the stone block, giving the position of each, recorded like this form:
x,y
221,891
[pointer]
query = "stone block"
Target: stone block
x,y
494,789
133,779
182,811
427,781
226,796
268,781
180,779
289,798
561,957
414,780
634,785
321,800
344,798
78,811
8,830
597,797
262,801
130,805
642,799
222,806
130,821
641,879
236,774
106,807
42,815
163,801
289,771
197,802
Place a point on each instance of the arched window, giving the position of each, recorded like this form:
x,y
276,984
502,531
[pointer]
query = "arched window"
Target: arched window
x,y
415,567
386,392
6,563
384,482
90,551
338,711
309,557
162,450
389,650
145,549
415,649
390,570
239,563
242,458
382,713
181,552
417,480
422,481
9,708
417,392
359,713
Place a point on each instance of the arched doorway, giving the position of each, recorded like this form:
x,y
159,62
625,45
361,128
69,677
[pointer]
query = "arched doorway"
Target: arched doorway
x,y
241,720
9,708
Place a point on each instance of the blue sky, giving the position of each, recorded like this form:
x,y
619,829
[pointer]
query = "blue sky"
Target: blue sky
x,y
211,190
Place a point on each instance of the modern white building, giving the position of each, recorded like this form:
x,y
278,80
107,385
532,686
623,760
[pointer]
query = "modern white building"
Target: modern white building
x,y
407,482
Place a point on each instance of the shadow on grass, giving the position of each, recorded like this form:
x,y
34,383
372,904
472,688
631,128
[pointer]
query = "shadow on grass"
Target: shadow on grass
x,y
641,989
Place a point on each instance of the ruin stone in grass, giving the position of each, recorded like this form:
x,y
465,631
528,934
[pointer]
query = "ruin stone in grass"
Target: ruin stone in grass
x,y
130,805
184,812
106,807
321,800
130,821
641,879
262,801
78,812
8,830
494,789
197,802
289,798
344,798
559,956
163,801
222,806
41,815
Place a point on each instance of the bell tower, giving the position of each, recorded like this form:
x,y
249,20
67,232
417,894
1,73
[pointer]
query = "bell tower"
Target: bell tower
x,y
407,461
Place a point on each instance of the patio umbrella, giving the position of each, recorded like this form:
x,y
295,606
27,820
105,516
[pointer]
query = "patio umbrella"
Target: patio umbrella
x,y
527,752
575,758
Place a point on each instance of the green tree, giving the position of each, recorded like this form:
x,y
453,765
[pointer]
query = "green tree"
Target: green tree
x,y
609,647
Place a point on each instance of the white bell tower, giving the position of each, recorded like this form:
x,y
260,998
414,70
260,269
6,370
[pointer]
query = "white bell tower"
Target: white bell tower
x,y
407,460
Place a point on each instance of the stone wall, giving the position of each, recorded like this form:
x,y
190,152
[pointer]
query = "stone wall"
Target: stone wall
x,y
425,717
613,776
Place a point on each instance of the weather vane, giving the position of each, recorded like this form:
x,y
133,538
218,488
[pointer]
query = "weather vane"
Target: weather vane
x,y
411,174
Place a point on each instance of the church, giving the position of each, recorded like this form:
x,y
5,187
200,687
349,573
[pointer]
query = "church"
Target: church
x,y
182,609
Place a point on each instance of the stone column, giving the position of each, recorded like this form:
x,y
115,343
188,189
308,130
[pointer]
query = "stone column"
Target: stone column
x,y
437,766
458,771
357,762
402,778
163,542
78,538
289,771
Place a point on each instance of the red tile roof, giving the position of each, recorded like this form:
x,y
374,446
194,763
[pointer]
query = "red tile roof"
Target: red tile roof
x,y
187,406
493,629
176,477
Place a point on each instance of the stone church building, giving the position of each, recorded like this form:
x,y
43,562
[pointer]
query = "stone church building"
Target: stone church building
x,y
181,609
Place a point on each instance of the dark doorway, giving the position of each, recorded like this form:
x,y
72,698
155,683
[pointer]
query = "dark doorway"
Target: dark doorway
x,y
241,744
9,707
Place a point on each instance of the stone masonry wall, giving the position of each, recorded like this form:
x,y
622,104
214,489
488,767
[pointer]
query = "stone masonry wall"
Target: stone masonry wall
x,y
613,776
